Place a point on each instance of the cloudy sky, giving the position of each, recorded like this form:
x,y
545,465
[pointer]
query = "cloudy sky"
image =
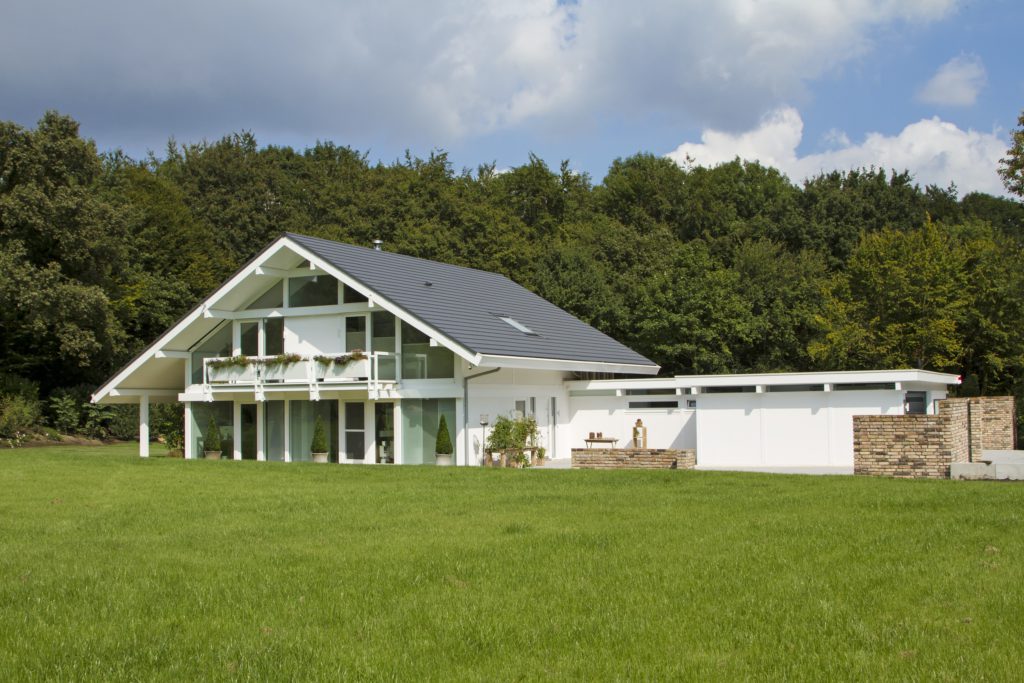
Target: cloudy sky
x,y
934,86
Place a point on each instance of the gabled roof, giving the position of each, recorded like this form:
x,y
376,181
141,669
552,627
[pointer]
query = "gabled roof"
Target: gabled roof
x,y
461,308
467,305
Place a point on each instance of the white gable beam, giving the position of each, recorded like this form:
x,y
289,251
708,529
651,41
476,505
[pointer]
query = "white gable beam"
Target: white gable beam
x,y
193,315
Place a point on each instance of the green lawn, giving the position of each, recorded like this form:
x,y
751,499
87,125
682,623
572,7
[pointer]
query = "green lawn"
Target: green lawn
x,y
112,567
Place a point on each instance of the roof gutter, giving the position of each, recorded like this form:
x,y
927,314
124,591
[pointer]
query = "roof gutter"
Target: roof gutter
x,y
465,405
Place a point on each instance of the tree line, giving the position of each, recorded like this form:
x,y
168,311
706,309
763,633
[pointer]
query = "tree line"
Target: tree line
x,y
704,270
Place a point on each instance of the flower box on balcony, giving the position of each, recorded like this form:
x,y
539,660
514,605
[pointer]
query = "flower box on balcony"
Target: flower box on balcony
x,y
345,367
237,370
286,368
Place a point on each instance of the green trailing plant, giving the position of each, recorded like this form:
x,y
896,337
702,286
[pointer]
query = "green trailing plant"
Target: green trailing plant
x,y
283,359
212,440
443,444
319,443
341,359
232,362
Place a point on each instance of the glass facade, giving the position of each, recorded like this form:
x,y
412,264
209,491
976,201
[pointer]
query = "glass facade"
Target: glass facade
x,y
383,330
223,414
355,430
274,331
355,332
420,360
420,419
301,420
217,345
272,298
250,338
273,430
314,290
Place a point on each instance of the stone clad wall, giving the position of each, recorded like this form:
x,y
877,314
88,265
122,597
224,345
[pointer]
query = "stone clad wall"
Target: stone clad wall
x,y
923,446
632,458
993,424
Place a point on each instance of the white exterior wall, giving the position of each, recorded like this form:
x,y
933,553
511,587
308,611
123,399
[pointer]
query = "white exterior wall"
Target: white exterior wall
x,y
785,429
314,334
496,394
611,415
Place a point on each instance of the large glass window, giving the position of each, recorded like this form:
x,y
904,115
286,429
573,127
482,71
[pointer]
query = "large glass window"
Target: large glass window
x,y
250,338
351,296
355,431
274,330
223,413
384,340
420,419
301,421
420,360
218,344
273,430
272,298
355,332
314,290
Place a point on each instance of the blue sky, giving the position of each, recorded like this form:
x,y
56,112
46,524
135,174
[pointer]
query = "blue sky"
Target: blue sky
x,y
934,86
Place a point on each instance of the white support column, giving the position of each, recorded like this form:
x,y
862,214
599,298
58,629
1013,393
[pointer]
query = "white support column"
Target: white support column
x,y
459,437
144,426
236,430
397,442
189,455
370,435
287,429
261,451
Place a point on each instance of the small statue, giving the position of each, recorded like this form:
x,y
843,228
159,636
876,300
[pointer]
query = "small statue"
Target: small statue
x,y
639,434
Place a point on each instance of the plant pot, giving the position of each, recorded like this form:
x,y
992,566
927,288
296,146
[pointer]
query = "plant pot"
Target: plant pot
x,y
212,455
443,459
320,457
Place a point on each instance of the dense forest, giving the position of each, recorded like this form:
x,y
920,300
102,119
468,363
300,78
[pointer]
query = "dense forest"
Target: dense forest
x,y
704,270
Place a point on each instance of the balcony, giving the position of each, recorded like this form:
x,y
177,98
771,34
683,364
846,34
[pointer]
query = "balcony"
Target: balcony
x,y
299,372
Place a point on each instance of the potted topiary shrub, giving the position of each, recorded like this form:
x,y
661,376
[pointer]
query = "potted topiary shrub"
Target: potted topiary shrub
x,y
443,445
319,446
211,444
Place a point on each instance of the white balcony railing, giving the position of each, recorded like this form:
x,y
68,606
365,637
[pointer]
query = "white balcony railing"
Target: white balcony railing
x,y
315,372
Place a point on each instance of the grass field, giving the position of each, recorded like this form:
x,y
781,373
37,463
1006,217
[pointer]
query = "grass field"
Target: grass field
x,y
112,567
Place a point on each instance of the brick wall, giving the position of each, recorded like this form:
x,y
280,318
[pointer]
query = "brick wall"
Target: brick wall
x,y
993,424
923,446
632,458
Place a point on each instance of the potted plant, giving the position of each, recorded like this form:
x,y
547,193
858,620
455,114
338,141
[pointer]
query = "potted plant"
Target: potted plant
x,y
211,444
319,447
443,445
352,365
286,366
541,455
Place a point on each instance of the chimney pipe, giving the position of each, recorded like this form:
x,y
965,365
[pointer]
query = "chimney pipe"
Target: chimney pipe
x,y
377,244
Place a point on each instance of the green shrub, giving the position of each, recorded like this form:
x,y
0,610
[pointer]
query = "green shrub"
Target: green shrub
x,y
319,444
443,445
212,440
64,412
124,422
96,420
14,385
18,415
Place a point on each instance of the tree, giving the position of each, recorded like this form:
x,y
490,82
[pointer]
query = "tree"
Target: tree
x,y
1011,167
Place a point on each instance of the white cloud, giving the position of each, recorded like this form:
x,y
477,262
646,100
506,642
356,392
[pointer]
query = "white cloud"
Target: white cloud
x,y
423,72
934,151
956,83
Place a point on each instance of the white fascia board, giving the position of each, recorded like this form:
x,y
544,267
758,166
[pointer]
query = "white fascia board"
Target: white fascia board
x,y
774,379
388,306
528,363
197,312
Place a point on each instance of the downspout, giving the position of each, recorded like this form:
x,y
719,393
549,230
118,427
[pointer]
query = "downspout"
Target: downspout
x,y
465,405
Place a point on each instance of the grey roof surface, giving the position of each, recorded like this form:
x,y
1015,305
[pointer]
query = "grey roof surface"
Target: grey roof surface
x,y
465,304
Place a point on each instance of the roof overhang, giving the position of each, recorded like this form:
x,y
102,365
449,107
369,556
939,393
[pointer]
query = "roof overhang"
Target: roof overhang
x,y
899,377
529,363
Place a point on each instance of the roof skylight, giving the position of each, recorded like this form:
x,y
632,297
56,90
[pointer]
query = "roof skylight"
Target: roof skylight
x,y
518,325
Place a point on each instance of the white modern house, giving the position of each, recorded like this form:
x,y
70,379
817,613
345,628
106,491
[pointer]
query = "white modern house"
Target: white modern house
x,y
380,345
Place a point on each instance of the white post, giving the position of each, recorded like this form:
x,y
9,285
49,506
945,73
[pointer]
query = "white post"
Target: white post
x,y
261,452
144,426
236,430
189,454
461,455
